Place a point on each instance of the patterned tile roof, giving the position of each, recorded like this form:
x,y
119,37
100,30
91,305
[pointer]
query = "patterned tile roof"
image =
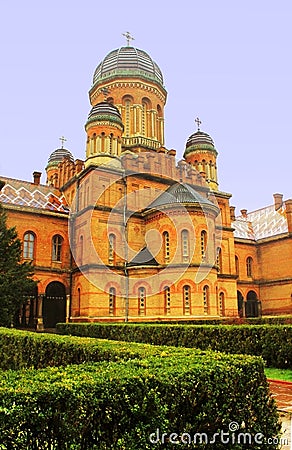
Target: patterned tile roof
x,y
260,224
24,193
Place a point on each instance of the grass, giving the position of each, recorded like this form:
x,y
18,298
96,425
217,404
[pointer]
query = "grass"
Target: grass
x,y
278,374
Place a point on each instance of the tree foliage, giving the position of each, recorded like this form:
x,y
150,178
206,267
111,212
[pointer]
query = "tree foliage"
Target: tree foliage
x,y
15,276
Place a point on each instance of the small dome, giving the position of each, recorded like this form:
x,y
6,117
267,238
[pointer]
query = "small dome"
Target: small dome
x,y
105,111
58,156
128,61
199,140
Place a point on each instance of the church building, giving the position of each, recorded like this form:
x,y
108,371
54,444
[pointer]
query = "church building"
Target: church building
x,y
130,233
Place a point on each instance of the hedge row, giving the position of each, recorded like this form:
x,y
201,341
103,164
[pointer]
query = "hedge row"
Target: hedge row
x,y
137,401
272,342
21,349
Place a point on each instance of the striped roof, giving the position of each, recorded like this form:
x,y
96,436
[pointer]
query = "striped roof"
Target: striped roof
x,y
128,61
260,224
24,193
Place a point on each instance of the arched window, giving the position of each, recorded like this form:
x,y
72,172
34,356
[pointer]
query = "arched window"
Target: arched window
x,y
111,248
236,265
187,299
112,301
57,243
81,250
141,301
78,302
249,268
219,259
206,300
185,245
165,237
167,300
221,304
203,243
28,245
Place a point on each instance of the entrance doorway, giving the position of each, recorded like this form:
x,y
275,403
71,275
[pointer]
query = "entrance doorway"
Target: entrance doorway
x,y
54,304
252,304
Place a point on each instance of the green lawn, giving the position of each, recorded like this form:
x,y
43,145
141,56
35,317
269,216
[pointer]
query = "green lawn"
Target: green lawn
x,y
279,374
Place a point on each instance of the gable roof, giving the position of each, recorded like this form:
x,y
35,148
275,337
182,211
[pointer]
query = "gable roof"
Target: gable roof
x,y
143,258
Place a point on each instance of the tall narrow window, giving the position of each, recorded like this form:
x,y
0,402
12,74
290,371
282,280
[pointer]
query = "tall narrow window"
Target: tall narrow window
x,y
219,259
203,243
221,304
78,302
141,301
187,299
112,301
206,299
81,250
236,265
185,245
249,263
166,246
57,243
111,248
28,245
167,300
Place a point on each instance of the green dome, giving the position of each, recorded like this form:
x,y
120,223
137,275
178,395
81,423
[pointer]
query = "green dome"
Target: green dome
x,y
128,61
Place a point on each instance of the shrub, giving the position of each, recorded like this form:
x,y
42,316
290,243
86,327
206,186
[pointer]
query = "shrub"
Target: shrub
x,y
272,342
118,405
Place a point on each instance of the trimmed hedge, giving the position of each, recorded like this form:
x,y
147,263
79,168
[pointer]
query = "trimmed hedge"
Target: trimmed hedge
x,y
272,342
118,402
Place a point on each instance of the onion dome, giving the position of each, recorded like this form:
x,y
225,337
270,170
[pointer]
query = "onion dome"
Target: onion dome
x,y
128,61
58,155
105,111
199,141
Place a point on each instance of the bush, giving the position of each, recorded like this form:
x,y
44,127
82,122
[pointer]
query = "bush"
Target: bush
x,y
119,404
272,342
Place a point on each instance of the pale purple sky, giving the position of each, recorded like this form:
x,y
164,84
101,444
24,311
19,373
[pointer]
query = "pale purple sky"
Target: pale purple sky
x,y
228,62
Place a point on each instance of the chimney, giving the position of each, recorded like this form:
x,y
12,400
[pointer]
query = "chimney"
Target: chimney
x,y
278,201
37,177
232,213
288,204
244,213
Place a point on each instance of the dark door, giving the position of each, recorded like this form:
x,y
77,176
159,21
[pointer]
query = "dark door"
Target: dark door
x,y
252,306
54,304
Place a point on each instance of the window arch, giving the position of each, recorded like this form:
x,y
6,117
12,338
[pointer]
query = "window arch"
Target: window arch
x,y
141,301
29,245
206,299
185,245
165,238
236,265
78,301
249,266
186,299
203,243
219,259
112,301
81,249
167,300
111,248
221,304
57,245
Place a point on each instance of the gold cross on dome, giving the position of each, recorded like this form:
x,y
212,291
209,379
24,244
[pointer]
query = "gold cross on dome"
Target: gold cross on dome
x,y
62,139
198,122
128,37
